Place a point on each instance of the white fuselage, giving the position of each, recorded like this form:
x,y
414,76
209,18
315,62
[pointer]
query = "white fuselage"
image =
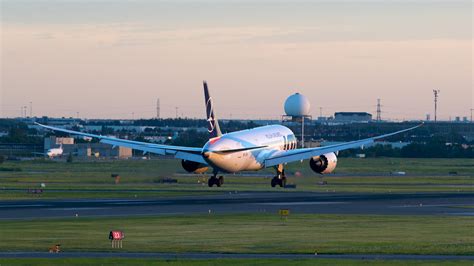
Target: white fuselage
x,y
264,141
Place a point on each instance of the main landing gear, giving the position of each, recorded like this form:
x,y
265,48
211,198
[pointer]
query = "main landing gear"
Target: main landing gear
x,y
213,180
280,178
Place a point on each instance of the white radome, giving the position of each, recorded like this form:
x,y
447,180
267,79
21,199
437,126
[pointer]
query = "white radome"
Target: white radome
x,y
297,105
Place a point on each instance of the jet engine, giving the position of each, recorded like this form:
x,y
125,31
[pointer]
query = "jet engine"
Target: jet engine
x,y
194,167
323,164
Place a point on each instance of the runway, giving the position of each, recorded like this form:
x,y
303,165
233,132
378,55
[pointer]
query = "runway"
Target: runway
x,y
173,256
248,202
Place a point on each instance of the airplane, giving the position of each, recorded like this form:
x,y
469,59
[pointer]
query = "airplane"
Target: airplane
x,y
246,150
53,152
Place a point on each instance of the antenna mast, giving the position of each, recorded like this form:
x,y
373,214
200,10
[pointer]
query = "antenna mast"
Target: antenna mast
x,y
436,92
158,108
379,111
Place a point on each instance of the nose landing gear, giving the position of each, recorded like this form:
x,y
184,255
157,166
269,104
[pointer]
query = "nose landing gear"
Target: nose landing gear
x,y
213,180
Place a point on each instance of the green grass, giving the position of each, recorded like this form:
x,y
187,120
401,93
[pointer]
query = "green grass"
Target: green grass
x,y
257,233
139,178
224,262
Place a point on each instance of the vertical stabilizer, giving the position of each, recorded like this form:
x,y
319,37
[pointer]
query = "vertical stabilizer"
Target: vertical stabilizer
x,y
212,122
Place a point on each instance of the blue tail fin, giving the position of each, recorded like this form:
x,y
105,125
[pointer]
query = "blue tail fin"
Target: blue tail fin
x,y
213,123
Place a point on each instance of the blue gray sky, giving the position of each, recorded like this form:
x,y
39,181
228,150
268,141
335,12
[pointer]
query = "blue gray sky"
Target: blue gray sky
x,y
113,59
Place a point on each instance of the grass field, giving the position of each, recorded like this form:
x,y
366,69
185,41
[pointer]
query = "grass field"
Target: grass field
x,y
140,178
245,233
239,233
223,262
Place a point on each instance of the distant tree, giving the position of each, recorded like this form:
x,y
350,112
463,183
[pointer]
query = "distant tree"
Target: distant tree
x,y
107,131
2,159
19,133
140,138
191,138
69,158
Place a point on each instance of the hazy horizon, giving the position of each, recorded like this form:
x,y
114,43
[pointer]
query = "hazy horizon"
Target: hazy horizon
x,y
113,59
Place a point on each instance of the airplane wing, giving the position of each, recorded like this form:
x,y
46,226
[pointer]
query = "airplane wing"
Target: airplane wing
x,y
179,152
281,157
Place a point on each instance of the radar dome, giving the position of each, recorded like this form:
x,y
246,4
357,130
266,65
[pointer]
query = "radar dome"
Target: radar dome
x,y
297,105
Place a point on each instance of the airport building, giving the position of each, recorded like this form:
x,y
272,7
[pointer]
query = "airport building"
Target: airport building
x,y
86,150
352,117
54,142
97,150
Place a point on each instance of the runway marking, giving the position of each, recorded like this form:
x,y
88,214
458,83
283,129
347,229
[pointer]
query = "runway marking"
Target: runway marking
x,y
140,202
75,209
301,203
25,205
425,205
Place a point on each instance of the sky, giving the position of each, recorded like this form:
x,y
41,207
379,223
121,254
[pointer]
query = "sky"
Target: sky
x,y
114,59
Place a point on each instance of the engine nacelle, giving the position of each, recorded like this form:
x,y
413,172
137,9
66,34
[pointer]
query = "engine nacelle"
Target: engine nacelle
x,y
194,167
324,164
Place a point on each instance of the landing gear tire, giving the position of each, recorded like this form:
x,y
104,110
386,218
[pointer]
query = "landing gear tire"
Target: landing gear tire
x,y
274,181
280,181
215,181
212,181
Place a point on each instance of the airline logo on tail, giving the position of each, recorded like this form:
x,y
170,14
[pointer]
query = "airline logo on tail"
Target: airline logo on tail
x,y
213,124
210,115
